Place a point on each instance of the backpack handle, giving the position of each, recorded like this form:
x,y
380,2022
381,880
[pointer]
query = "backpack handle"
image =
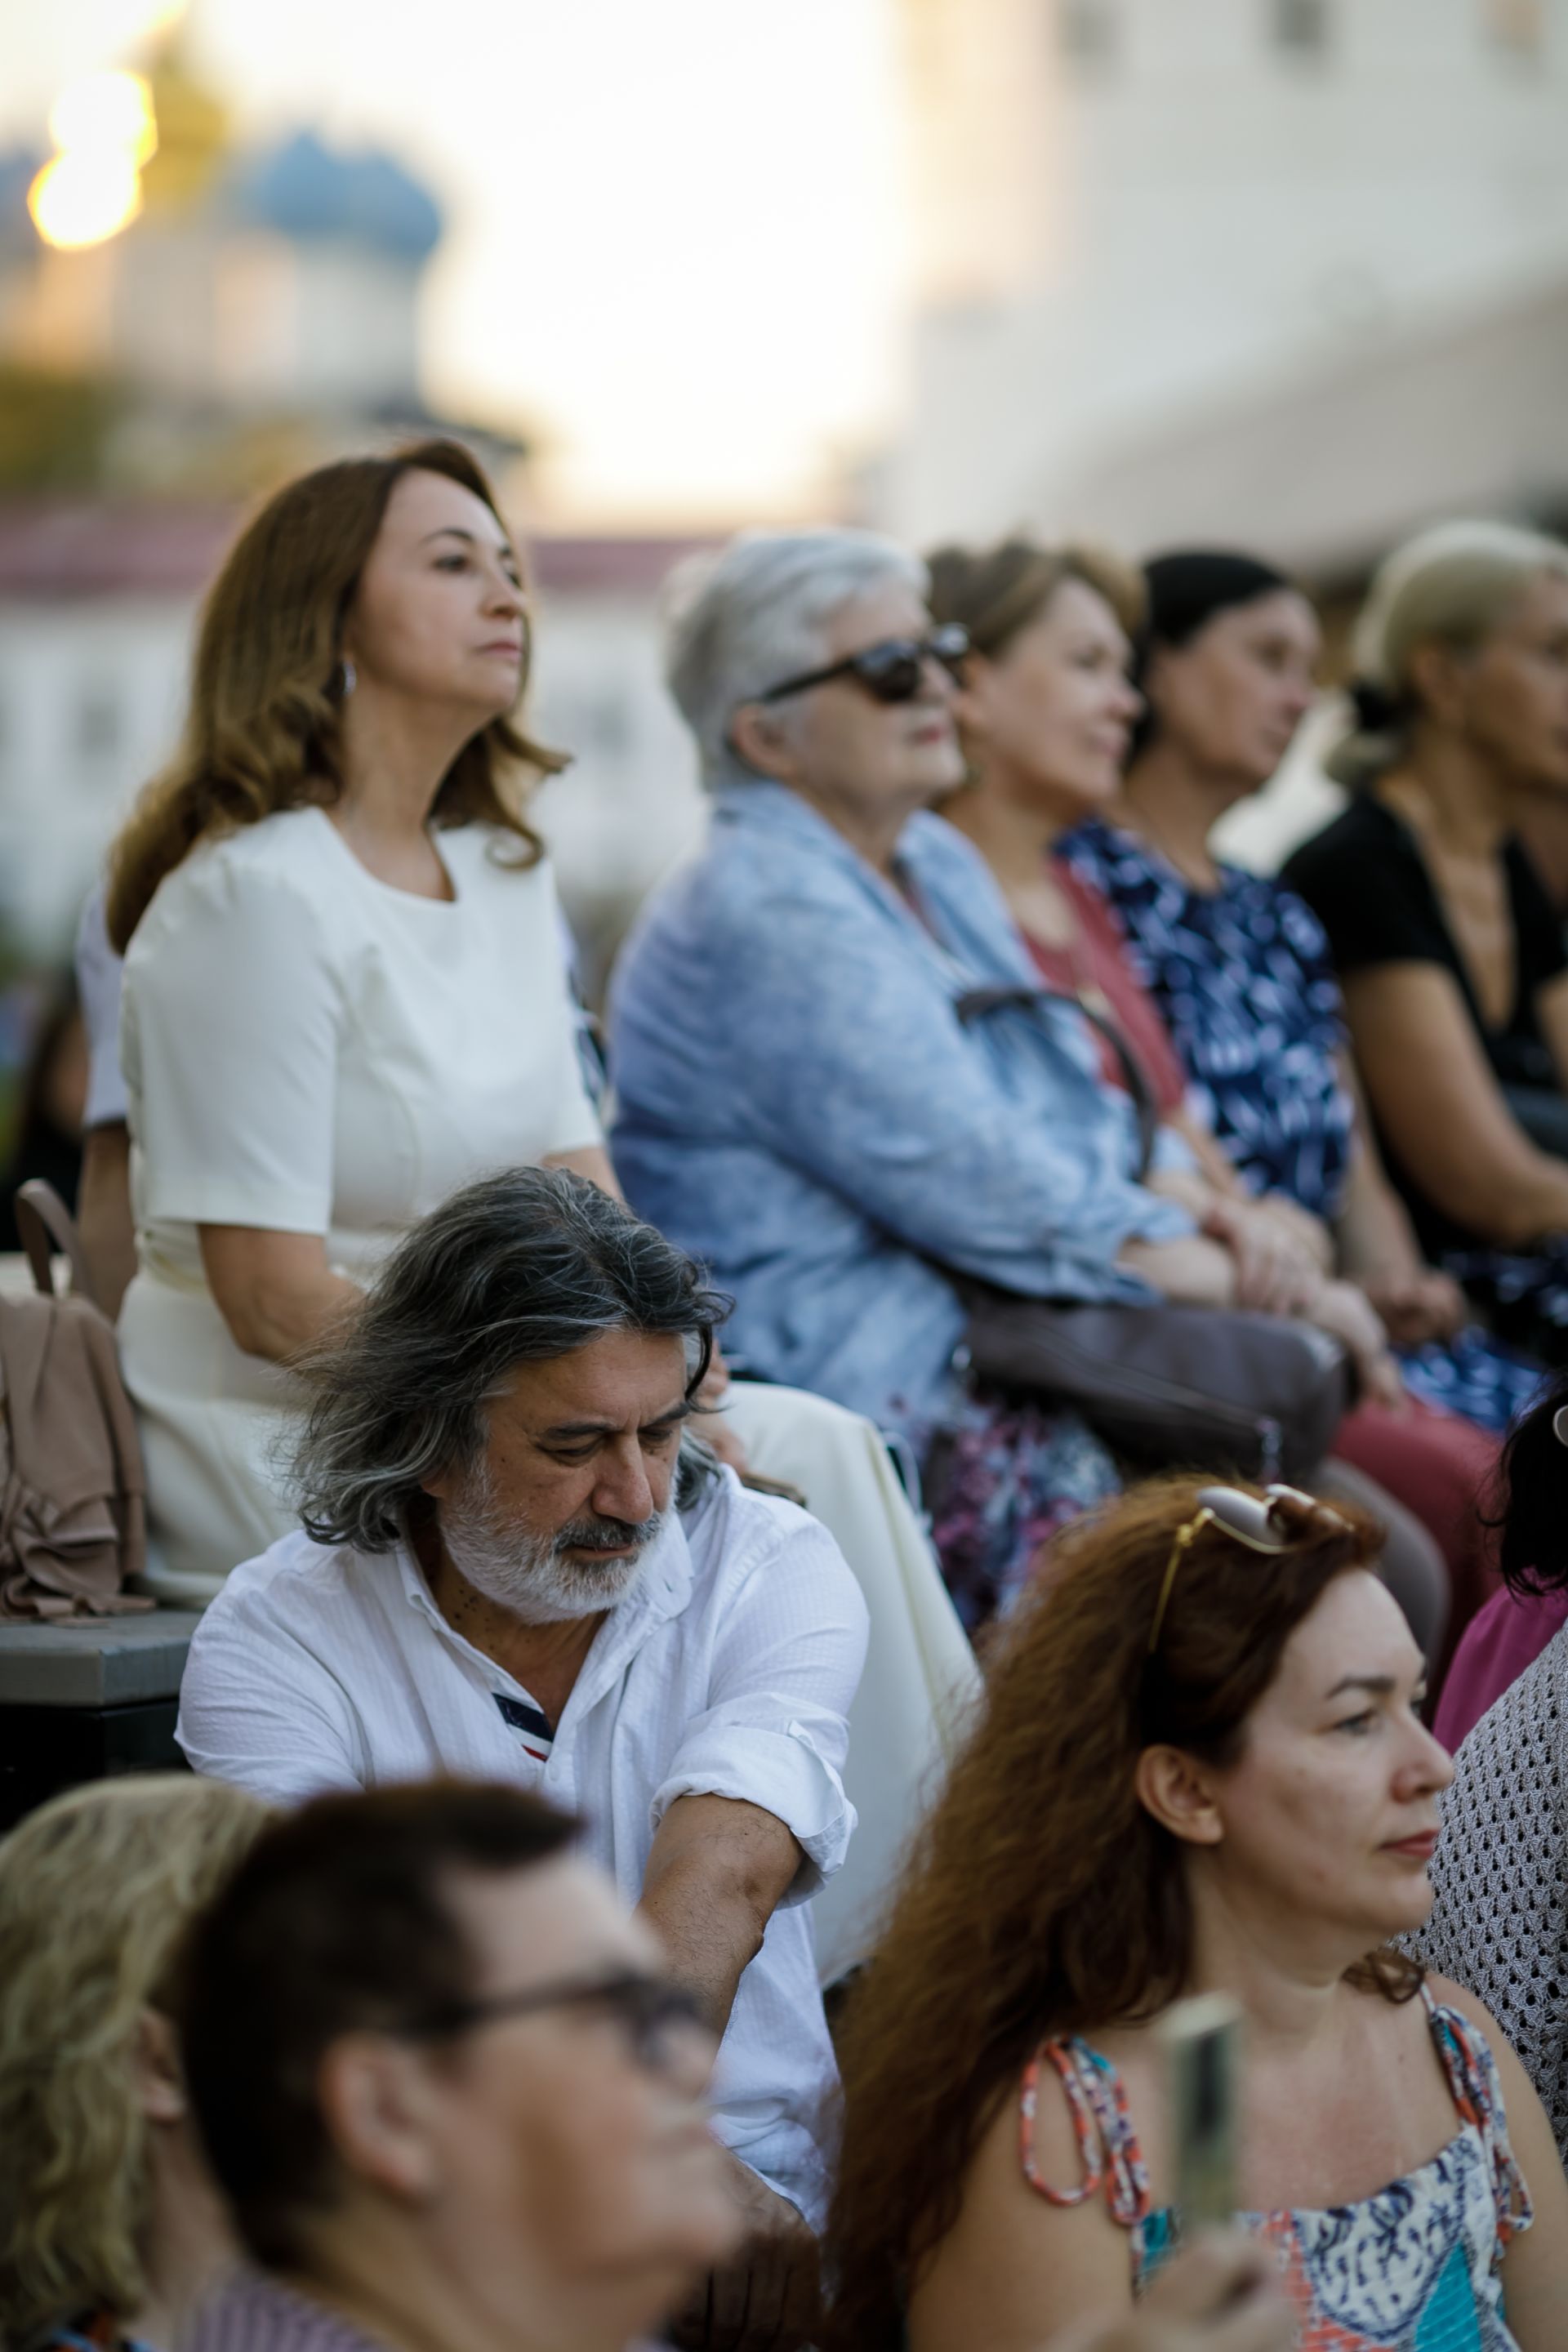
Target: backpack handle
x,y
42,1217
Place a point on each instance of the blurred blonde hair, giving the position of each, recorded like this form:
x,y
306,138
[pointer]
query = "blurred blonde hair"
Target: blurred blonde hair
x,y
996,592
97,1889
1450,586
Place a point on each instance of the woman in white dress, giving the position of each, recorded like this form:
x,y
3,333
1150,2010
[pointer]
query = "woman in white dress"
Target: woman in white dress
x,y
343,985
344,995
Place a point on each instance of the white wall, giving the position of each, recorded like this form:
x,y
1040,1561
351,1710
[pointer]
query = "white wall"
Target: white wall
x,y
630,804
1216,210
89,707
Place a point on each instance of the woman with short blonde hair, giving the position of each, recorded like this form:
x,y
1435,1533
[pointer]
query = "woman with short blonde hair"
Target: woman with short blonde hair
x,y
109,2231
1450,952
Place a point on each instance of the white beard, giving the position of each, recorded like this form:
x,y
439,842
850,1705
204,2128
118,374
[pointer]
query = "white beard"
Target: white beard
x,y
532,1576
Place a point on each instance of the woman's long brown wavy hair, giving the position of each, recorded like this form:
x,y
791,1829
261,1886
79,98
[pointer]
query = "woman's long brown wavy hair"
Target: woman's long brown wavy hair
x,y
262,732
1043,1898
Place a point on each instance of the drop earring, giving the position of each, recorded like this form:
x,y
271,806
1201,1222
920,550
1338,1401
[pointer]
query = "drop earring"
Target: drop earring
x,y
348,678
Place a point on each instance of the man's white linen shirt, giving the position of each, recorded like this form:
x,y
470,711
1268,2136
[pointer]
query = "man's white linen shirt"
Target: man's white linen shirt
x,y
728,1671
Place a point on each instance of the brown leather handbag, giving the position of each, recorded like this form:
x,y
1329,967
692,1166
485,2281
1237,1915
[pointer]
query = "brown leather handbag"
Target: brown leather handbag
x,y
1203,1388
72,1523
1258,1396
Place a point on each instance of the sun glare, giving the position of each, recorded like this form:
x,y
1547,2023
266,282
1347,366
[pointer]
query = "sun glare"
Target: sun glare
x,y
85,196
105,110
104,129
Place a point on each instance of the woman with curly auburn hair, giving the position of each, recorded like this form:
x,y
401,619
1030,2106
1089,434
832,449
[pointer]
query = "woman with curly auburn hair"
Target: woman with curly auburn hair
x,y
109,2229
345,994
1201,1768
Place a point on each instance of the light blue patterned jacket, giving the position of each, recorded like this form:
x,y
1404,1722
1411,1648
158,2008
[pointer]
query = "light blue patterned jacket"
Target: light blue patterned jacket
x,y
799,1105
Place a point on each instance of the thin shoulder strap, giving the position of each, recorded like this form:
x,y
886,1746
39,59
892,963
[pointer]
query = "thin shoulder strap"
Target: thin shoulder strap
x,y
1476,2088
42,1217
1103,2125
975,1003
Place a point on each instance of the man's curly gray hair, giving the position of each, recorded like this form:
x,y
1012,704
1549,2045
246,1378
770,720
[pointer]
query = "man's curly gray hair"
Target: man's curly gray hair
x,y
513,1269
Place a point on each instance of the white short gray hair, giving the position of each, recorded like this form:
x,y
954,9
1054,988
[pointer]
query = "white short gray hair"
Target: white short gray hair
x,y
743,619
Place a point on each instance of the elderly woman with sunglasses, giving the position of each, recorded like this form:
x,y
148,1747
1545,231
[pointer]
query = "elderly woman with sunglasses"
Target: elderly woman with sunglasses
x,y
799,1102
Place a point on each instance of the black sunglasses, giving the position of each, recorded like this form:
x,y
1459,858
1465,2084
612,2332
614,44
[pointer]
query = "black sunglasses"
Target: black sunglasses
x,y
649,2008
891,671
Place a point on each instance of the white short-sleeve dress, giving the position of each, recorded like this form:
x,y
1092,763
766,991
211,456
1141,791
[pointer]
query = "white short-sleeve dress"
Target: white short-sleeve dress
x,y
309,1050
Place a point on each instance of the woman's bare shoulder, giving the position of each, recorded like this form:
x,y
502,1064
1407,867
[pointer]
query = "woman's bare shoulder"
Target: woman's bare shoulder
x,y
1017,2267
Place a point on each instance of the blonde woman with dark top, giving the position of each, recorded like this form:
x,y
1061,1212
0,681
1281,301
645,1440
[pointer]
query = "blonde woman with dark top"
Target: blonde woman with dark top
x,y
112,2233
1449,951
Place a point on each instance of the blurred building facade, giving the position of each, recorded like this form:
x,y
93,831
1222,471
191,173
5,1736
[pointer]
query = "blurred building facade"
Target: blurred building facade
x,y
258,288
1293,272
259,314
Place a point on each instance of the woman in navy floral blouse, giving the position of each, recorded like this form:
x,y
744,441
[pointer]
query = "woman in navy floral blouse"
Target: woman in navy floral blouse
x,y
1240,966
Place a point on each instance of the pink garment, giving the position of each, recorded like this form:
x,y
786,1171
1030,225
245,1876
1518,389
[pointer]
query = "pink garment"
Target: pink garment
x,y
1440,1468
1098,962
1504,1637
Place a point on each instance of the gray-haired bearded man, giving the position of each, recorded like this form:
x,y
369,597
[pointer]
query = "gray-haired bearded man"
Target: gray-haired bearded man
x,y
508,1569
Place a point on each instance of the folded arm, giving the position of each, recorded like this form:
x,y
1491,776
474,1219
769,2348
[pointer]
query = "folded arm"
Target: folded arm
x,y
717,1873
753,1815
1441,1109
1378,1249
103,1213
276,1291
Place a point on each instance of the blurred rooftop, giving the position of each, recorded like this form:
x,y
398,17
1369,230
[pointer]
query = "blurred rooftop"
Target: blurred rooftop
x,y
1465,412
68,550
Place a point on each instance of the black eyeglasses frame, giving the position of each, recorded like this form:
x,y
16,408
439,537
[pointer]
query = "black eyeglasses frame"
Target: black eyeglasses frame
x,y
647,2006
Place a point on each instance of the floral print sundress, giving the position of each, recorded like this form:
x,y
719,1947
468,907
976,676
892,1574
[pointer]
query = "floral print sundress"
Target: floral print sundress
x,y
1415,2268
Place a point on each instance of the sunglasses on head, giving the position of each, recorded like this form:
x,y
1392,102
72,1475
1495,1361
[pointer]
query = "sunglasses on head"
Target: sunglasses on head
x,y
1255,1520
891,671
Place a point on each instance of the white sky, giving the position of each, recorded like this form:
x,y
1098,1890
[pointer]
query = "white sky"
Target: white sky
x,y
673,225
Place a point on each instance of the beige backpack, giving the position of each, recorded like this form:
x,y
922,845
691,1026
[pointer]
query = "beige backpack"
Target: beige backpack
x,y
72,1507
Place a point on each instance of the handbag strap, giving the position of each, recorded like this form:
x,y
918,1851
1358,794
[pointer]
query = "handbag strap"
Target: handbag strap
x,y
975,1003
42,1218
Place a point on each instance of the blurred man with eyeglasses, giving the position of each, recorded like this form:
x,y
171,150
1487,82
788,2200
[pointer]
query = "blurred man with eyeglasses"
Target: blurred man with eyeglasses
x,y
453,2097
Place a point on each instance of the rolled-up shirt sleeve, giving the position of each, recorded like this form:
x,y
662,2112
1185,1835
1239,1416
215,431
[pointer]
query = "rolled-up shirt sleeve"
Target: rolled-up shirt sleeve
x,y
786,1665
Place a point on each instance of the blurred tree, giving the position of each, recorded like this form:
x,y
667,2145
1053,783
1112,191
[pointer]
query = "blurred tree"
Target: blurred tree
x,y
55,429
